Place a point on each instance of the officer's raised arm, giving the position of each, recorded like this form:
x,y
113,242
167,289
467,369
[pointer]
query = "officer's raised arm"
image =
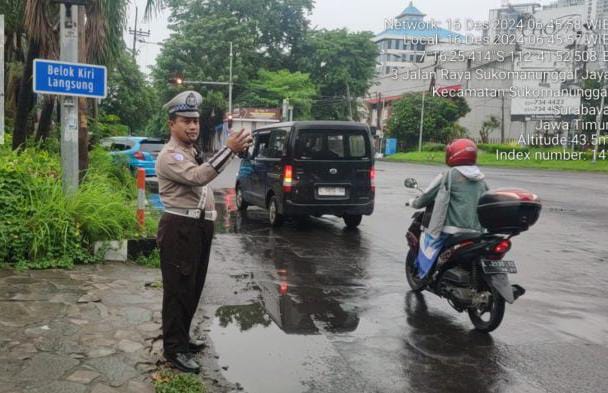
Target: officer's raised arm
x,y
177,163
175,167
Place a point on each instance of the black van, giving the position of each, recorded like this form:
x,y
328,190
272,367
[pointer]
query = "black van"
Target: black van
x,y
309,168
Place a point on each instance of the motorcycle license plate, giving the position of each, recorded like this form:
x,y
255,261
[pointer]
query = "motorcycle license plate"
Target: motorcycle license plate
x,y
498,267
332,191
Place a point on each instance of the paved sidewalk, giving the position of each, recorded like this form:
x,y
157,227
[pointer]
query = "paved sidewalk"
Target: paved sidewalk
x,y
92,329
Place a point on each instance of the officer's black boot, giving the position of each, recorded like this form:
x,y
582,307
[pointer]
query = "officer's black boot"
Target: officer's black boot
x,y
184,362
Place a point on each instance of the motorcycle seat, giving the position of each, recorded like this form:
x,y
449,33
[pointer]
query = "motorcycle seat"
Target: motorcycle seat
x,y
461,237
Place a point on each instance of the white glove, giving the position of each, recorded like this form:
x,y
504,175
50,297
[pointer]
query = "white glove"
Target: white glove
x,y
410,202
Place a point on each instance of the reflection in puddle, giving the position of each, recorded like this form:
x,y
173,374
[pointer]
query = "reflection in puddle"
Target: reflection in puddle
x,y
245,316
252,346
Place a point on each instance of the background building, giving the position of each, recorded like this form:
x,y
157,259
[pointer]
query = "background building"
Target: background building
x,y
516,115
406,38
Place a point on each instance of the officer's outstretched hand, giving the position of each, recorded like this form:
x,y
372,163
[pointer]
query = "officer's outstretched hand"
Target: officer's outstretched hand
x,y
239,141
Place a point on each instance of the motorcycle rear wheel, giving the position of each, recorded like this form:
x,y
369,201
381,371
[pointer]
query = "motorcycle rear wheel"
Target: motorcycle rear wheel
x,y
417,284
495,312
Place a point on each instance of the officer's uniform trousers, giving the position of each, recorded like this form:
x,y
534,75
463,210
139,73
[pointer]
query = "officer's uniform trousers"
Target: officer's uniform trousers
x,y
185,245
185,241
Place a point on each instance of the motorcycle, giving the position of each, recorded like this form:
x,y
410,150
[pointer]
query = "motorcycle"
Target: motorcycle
x,y
470,271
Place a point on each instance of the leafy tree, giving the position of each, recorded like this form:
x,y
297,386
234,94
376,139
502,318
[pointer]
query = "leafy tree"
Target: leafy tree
x,y
32,27
263,34
269,90
487,127
130,96
440,116
593,101
341,64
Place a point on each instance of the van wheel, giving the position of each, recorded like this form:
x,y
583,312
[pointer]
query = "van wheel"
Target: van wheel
x,y
276,218
241,204
352,221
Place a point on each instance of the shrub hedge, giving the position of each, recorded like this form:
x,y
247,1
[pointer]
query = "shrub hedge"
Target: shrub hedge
x,y
41,227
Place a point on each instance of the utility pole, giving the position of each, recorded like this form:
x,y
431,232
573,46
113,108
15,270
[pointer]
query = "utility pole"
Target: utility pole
x,y
421,121
502,122
134,32
600,123
284,114
137,34
69,107
1,79
230,85
350,104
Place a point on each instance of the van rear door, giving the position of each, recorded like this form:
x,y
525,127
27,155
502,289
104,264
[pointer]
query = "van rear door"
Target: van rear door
x,y
332,166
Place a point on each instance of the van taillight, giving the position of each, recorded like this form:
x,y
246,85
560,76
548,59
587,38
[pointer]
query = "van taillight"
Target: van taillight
x,y
287,178
372,178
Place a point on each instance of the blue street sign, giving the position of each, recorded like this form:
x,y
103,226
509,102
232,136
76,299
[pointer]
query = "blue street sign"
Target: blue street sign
x,y
70,79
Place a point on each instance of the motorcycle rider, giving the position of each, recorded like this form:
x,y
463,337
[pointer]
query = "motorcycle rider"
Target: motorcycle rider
x,y
455,195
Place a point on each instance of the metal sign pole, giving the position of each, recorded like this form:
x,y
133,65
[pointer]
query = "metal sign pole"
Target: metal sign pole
x,y
600,126
69,107
230,85
1,79
421,122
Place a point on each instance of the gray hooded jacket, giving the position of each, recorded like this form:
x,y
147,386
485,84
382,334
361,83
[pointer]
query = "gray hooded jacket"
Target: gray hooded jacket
x,y
456,194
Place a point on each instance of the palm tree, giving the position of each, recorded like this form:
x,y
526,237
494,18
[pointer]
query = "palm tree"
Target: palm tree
x,y
105,22
42,41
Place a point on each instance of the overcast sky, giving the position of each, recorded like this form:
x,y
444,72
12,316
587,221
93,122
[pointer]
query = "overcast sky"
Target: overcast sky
x,y
356,15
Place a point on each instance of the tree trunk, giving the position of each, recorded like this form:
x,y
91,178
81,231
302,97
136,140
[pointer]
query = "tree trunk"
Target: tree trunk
x,y
46,118
25,98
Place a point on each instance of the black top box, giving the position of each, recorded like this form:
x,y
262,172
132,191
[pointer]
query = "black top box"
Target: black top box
x,y
508,210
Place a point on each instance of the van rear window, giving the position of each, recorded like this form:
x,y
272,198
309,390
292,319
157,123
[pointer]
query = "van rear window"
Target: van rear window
x,y
332,145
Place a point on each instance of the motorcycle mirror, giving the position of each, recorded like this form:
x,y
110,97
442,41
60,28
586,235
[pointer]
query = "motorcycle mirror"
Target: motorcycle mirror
x,y
410,182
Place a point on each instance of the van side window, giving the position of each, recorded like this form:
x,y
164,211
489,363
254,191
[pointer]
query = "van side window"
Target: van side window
x,y
357,146
261,146
276,145
332,145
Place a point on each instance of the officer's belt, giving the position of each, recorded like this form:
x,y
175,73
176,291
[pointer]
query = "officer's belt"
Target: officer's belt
x,y
193,213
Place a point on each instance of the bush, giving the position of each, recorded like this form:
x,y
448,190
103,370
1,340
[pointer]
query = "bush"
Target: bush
x,y
493,148
41,227
439,122
106,126
433,147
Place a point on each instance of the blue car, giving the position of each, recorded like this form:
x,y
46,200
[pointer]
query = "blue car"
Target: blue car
x,y
140,152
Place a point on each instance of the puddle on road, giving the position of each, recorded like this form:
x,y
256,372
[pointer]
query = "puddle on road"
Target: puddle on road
x,y
252,345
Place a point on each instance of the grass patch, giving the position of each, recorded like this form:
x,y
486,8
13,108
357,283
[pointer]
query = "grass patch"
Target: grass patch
x,y
533,161
151,261
169,382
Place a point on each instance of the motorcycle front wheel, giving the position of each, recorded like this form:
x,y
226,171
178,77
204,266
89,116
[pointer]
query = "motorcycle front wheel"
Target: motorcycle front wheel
x,y
488,318
417,284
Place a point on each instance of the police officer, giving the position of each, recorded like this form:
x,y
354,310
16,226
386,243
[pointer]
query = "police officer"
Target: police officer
x,y
186,229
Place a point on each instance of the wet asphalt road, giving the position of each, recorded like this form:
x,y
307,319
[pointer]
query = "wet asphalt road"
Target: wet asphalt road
x,y
315,308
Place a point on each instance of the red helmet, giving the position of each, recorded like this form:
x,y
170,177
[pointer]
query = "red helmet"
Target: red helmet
x,y
461,152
